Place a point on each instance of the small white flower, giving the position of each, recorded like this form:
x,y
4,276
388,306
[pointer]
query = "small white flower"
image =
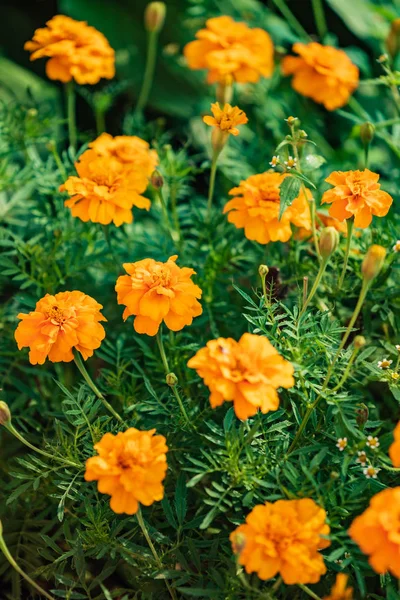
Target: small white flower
x,y
371,472
372,442
341,444
398,347
362,458
275,160
384,364
396,247
290,163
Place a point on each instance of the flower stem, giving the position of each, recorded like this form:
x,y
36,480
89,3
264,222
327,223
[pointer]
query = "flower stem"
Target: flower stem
x,y
15,565
212,184
313,224
291,19
99,115
149,70
314,288
309,592
350,225
146,534
167,371
167,222
346,371
70,93
109,246
24,441
53,148
93,387
319,17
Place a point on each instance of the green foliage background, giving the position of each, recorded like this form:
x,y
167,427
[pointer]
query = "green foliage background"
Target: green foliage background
x,y
60,529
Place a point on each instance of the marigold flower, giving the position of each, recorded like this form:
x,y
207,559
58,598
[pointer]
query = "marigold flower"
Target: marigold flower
x,y
155,292
376,531
226,118
358,194
76,51
231,50
284,537
59,324
130,467
247,373
104,190
131,151
394,450
255,208
340,591
322,73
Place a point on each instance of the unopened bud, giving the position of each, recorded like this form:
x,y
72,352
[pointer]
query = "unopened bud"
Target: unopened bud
x,y
334,475
5,414
373,262
238,542
292,121
218,139
359,341
393,38
154,16
51,145
367,131
362,414
263,270
328,241
171,379
32,113
157,180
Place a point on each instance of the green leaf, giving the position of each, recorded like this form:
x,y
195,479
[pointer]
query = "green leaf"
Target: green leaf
x,y
288,191
181,498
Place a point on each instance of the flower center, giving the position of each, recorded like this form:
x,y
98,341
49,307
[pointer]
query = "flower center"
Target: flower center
x,y
56,315
269,193
161,277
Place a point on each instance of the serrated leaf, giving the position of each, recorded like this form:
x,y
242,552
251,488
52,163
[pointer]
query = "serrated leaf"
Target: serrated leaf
x,y
288,191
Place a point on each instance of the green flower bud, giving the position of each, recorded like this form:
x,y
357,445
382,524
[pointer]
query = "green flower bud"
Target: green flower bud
x,y
359,341
373,262
367,132
263,270
328,241
154,16
171,379
5,414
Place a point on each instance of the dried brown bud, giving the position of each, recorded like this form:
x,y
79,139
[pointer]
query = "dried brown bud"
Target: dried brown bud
x,y
171,379
367,132
359,341
393,38
157,180
5,414
362,414
373,262
328,241
154,16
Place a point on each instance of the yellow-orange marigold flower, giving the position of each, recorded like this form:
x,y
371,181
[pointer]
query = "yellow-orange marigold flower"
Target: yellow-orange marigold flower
x,y
59,324
104,190
76,51
155,292
226,118
231,51
131,151
377,529
340,591
322,73
356,194
394,450
283,537
247,373
255,208
130,467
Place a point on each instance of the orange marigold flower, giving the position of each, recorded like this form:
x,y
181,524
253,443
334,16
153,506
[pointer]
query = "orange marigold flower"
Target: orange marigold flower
x,y
130,467
340,591
231,51
356,194
247,373
59,324
226,118
155,292
284,537
394,450
104,190
256,209
131,151
376,531
322,73
76,51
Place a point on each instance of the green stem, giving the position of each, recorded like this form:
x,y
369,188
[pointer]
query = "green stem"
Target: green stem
x,y
93,387
146,534
314,288
70,92
309,592
291,19
319,17
149,71
57,160
313,224
175,213
100,120
160,197
212,184
346,371
24,441
167,371
109,246
15,565
350,225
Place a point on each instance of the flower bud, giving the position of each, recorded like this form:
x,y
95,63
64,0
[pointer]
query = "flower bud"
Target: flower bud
x,y
393,38
171,379
5,415
32,113
328,241
218,139
359,341
373,262
292,121
367,131
263,270
154,16
157,180
362,414
238,543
